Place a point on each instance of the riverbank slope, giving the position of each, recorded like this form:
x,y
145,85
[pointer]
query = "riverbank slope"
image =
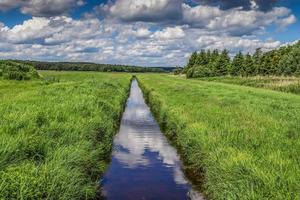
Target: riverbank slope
x,y
243,141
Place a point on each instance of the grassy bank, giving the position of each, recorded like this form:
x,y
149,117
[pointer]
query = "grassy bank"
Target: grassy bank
x,y
244,141
283,84
56,133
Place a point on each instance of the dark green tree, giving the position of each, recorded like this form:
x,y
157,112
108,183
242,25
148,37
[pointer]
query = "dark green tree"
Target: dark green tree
x,y
202,71
248,66
202,58
192,61
215,55
281,61
266,68
290,64
222,64
257,60
208,56
236,65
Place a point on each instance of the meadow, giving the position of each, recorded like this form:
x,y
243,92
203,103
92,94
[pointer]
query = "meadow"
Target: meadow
x,y
279,83
238,142
56,133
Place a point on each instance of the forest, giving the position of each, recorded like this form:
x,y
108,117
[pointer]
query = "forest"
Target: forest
x,y
86,66
284,61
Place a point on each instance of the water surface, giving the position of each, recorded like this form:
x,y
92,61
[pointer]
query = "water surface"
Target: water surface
x,y
144,165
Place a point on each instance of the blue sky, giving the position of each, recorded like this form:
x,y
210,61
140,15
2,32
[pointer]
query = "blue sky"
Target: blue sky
x,y
292,32
139,32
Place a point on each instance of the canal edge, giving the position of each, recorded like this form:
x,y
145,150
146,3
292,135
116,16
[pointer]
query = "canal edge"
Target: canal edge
x,y
196,176
99,194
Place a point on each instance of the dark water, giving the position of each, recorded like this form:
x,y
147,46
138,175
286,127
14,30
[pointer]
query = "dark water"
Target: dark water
x,y
144,166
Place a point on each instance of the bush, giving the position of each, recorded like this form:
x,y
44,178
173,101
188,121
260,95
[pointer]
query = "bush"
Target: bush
x,y
177,71
199,72
17,71
190,73
202,71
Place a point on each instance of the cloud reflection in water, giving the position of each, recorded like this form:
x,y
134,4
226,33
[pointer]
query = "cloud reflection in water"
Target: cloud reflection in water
x,y
140,145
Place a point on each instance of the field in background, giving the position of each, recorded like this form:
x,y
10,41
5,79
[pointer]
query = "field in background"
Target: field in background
x,y
245,141
56,133
284,84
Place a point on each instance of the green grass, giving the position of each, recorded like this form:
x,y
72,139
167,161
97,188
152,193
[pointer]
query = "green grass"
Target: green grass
x,y
56,133
283,84
244,141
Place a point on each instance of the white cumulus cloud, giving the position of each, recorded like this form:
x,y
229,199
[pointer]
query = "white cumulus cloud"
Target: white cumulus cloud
x,y
139,32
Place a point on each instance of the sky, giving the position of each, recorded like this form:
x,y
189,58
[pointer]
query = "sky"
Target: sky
x,y
142,32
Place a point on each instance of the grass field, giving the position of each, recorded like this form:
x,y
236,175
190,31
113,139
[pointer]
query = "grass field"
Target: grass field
x,y
56,133
283,84
244,141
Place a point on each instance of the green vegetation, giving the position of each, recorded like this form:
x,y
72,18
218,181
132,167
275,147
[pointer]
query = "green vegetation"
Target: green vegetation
x,y
239,142
244,141
56,134
177,70
84,66
280,83
284,61
17,71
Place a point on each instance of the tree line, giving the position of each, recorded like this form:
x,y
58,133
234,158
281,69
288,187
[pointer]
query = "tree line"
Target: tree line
x,y
284,61
84,66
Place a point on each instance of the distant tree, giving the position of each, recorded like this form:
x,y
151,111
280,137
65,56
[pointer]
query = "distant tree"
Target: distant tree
x,y
222,63
192,61
202,71
275,59
177,71
83,66
248,66
265,68
215,55
208,56
290,64
202,58
190,72
17,71
236,65
281,61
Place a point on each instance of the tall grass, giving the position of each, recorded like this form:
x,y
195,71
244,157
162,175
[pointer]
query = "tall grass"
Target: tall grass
x,y
244,142
279,83
56,134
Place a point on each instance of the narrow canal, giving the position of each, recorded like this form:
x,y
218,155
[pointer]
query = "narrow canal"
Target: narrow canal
x,y
144,165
